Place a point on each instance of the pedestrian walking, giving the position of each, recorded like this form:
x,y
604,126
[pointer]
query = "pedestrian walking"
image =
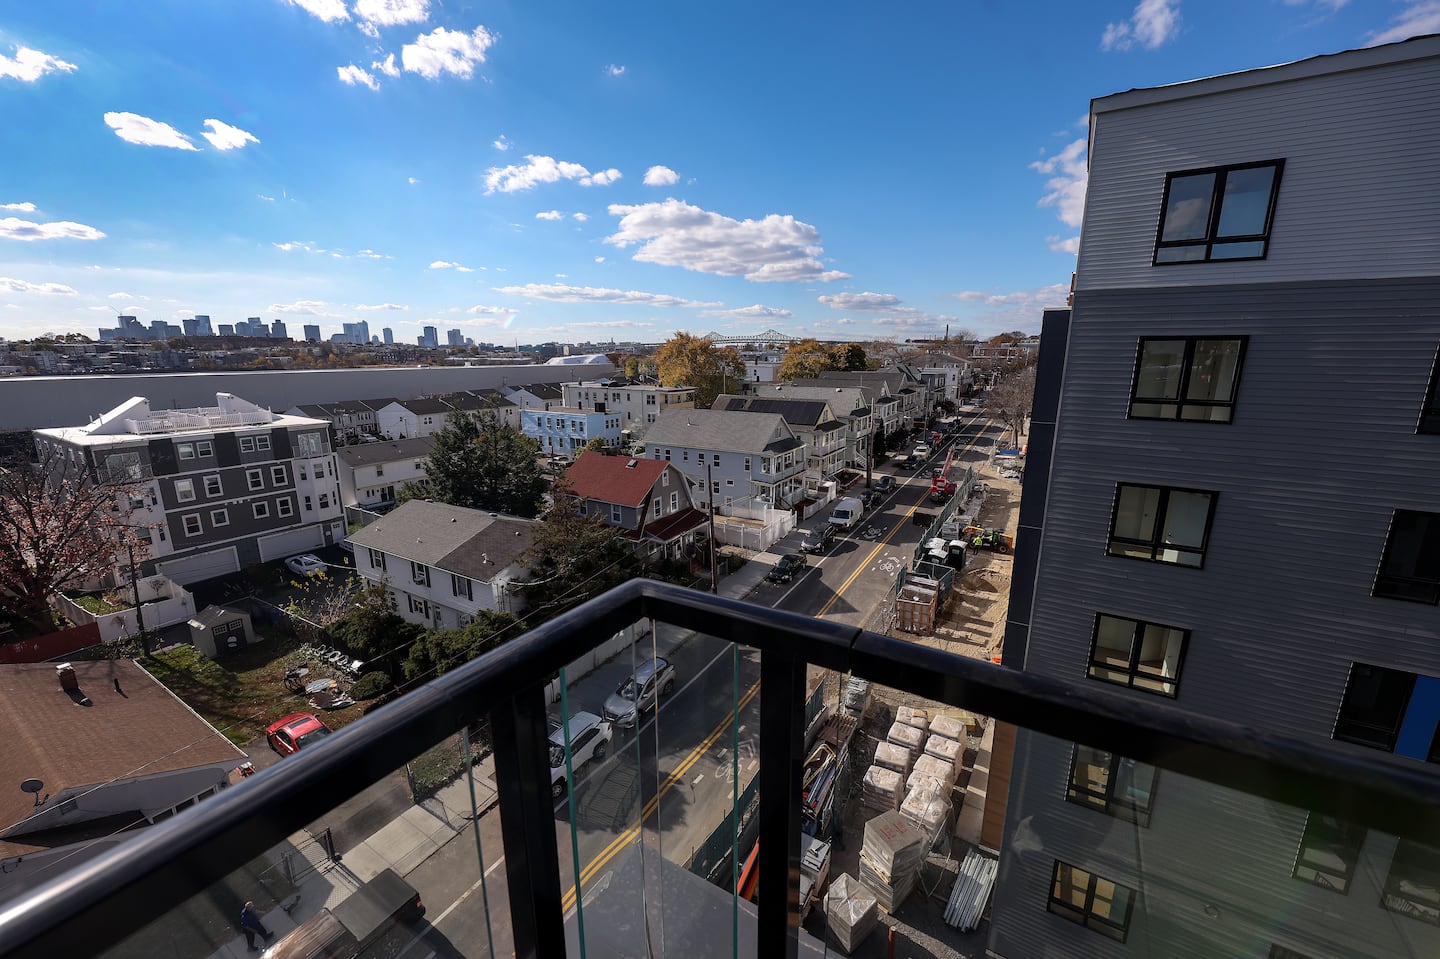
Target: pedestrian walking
x,y
250,924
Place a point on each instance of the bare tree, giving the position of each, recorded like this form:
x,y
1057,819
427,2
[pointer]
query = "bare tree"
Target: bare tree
x,y
63,526
1010,399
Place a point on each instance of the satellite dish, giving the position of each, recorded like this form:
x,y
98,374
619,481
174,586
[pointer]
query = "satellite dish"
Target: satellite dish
x,y
34,786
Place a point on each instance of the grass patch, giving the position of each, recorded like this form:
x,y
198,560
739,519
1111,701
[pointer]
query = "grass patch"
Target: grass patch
x,y
243,693
96,605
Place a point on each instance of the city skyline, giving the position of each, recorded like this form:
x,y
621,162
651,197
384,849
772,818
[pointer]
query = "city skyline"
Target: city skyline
x,y
881,175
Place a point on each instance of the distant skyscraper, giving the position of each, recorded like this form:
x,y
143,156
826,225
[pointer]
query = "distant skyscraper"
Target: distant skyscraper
x,y
191,327
227,329
431,337
312,332
257,326
278,331
389,336
455,338
202,325
357,332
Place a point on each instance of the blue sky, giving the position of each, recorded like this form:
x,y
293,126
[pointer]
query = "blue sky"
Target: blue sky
x,y
583,171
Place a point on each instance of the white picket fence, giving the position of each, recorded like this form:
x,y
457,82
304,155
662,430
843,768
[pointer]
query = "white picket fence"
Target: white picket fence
x,y
164,601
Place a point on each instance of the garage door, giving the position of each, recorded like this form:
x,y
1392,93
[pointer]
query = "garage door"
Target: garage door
x,y
290,542
192,569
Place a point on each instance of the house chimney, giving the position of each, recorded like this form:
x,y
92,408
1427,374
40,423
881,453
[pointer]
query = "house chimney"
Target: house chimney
x,y
68,680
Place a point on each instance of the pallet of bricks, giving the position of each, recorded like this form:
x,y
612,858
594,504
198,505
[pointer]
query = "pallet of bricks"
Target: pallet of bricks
x,y
930,785
884,787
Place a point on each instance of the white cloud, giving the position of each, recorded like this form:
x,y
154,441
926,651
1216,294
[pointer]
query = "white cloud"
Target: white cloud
x,y
861,302
223,136
603,178
305,307
446,51
561,293
330,11
450,265
502,144
355,76
756,312
1418,18
381,306
392,13
14,228
411,180
674,233
29,65
661,176
267,199
490,311
542,169
599,259
1067,244
1153,23
133,128
18,207
293,245
550,215
1068,178
9,285
369,29
614,71
121,295
386,66
579,217
1016,310
368,254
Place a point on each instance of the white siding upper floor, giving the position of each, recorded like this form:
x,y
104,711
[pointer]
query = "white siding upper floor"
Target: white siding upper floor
x,y
1360,192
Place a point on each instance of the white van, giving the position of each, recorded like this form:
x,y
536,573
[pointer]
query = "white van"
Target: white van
x,y
847,513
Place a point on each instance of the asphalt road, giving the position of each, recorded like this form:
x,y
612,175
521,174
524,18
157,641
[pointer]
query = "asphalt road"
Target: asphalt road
x,y
668,783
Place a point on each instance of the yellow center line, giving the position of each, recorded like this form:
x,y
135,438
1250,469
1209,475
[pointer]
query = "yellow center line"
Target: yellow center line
x,y
625,838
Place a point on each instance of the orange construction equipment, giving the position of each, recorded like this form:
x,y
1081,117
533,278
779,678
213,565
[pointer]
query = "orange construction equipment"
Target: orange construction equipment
x,y
941,488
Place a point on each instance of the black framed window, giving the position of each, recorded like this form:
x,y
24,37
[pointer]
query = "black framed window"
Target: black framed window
x,y
1430,413
1115,785
1160,524
1329,851
1142,655
1219,213
1410,568
1093,902
1192,379
1412,886
1374,706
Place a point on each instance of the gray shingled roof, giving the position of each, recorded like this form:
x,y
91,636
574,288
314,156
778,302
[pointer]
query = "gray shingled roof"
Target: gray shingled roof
x,y
396,451
805,413
544,391
450,538
722,430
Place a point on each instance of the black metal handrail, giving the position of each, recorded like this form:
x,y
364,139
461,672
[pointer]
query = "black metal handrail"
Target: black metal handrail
x,y
105,899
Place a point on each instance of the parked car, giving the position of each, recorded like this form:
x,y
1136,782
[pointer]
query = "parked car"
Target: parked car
x,y
922,450
907,462
818,539
787,568
295,732
640,692
589,739
884,484
306,564
847,512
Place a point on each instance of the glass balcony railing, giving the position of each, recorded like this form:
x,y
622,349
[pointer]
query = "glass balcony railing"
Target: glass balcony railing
x,y
663,772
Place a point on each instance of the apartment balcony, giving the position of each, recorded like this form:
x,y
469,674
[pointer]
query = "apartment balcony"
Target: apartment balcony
x,y
655,876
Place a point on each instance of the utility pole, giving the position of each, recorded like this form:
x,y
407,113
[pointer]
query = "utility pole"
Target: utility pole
x,y
714,570
135,585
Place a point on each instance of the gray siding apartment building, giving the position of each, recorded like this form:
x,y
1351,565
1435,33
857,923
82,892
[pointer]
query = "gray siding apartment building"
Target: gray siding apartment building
x,y
217,488
1233,508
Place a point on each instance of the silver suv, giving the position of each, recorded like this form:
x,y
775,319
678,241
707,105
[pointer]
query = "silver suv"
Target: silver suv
x,y
589,739
651,680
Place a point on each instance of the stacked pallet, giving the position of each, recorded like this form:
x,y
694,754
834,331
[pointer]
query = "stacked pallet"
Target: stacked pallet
x,y
949,727
946,750
907,736
934,774
882,790
890,858
913,717
927,809
850,912
892,756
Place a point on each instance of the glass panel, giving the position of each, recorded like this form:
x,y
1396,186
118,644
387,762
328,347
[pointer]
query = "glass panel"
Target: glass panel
x,y
1212,370
1180,254
1412,887
1187,210
1375,701
1414,549
1153,411
1247,250
1090,777
1328,852
1135,514
1246,202
1161,365
1114,641
1160,650
1185,516
1205,414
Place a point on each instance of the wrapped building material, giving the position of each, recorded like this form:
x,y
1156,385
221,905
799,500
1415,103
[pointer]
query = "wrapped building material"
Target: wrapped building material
x,y
947,750
890,858
883,789
928,765
948,726
913,717
850,912
927,809
894,756
903,734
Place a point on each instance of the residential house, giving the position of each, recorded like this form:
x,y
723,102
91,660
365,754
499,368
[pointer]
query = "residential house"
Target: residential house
x,y
742,459
443,564
535,396
948,377
215,488
649,501
849,404
812,421
1256,323
564,430
639,404
351,419
111,751
899,396
371,473
407,419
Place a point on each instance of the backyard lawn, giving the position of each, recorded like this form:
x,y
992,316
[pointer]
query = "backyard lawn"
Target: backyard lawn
x,y
243,693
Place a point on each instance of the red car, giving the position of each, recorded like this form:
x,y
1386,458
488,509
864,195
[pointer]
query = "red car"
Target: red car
x,y
288,735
